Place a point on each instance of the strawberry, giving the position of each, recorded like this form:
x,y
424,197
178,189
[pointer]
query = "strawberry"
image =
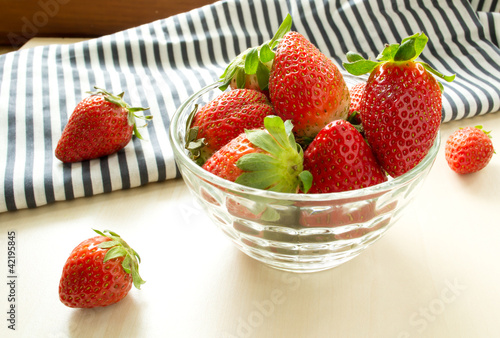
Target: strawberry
x,y
251,68
224,118
267,159
401,105
469,149
344,212
306,87
100,271
100,125
355,94
340,159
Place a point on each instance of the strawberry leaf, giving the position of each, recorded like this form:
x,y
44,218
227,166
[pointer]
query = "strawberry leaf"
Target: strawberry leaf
x,y
388,52
255,60
115,252
266,54
240,79
252,61
119,248
360,67
136,133
419,42
136,255
284,28
264,140
447,78
99,232
126,264
257,161
235,67
353,57
263,76
136,278
277,129
114,234
262,179
108,244
306,179
406,51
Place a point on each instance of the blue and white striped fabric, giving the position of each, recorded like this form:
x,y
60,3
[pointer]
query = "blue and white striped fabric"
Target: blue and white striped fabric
x,y
160,64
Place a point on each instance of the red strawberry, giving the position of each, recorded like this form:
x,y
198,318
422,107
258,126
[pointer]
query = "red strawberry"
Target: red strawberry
x,y
263,158
344,212
356,93
224,118
340,159
223,162
469,150
401,105
100,125
306,87
100,271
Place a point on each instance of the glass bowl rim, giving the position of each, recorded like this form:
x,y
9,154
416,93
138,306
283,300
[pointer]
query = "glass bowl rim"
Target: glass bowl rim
x,y
392,184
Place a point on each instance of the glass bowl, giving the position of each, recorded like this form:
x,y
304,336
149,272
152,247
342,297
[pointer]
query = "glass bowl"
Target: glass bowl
x,y
295,232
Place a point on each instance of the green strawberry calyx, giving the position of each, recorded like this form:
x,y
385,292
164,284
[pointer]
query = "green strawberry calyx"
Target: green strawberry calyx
x,y
280,169
409,49
118,100
255,61
487,133
480,127
192,143
117,247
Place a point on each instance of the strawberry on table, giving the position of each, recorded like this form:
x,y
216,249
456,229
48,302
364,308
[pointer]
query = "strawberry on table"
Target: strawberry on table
x,y
267,159
469,150
224,118
306,87
100,271
339,159
401,105
100,125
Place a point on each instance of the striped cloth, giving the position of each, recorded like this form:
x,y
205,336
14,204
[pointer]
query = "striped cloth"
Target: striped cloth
x,y
160,64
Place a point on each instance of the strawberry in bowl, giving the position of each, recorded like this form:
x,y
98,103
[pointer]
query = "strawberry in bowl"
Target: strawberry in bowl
x,y
401,106
311,192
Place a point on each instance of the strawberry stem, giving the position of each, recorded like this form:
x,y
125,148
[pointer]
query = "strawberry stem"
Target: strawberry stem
x,y
281,167
192,143
118,100
119,248
409,49
255,60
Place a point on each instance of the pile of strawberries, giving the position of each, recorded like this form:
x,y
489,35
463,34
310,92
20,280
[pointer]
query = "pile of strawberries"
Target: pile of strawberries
x,y
396,114
289,123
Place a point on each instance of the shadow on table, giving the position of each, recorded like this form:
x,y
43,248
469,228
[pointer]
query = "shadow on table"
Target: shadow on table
x,y
117,320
